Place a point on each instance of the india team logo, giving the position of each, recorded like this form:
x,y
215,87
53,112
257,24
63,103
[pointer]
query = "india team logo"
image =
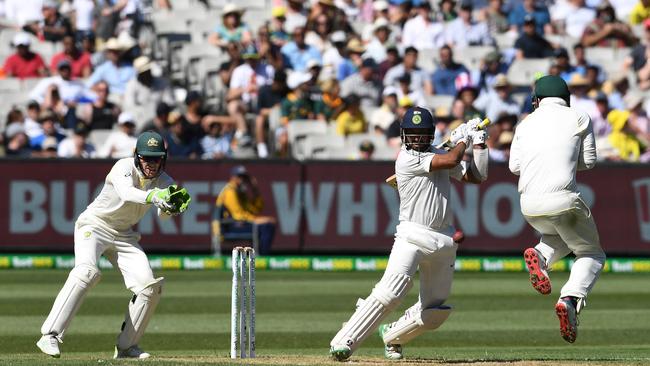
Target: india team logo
x,y
416,119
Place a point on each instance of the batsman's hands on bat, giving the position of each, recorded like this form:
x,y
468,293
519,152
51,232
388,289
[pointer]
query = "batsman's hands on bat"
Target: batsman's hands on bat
x,y
460,134
478,137
179,198
160,198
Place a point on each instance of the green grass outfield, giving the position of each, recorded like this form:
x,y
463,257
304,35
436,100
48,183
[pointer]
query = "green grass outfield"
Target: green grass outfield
x,y
498,319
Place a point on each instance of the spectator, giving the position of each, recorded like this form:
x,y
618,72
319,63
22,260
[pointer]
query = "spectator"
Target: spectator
x,y
194,116
232,29
615,88
376,48
531,44
244,86
447,11
607,31
31,125
381,118
279,36
318,36
465,31
623,137
491,66
297,53
404,90
638,118
581,63
366,150
579,86
336,16
380,10
234,59
116,71
333,55
351,120
82,15
159,122
242,201
640,13
603,128
638,59
393,135
120,143
79,60
268,51
419,80
146,90
421,31
16,141
496,19
467,95
70,91
48,120
444,78
180,143
53,27
77,146
296,14
528,9
332,100
575,16
24,63
499,100
363,84
352,60
392,60
270,97
101,114
21,12
566,70
216,144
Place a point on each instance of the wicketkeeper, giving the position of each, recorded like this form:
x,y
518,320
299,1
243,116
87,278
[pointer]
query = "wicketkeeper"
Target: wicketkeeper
x,y
105,228
424,236
549,146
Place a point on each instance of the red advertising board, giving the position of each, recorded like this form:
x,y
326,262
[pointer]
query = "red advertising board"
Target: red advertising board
x,y
334,207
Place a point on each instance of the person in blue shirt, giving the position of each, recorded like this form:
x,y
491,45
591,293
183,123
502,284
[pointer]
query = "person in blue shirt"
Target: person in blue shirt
x,y
528,7
48,120
444,78
297,53
115,71
232,28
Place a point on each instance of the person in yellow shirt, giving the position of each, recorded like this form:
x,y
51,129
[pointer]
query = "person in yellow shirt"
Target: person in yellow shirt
x,y
242,201
351,120
640,12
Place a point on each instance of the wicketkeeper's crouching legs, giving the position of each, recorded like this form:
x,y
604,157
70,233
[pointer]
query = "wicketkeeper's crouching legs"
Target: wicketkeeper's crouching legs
x,y
141,308
81,279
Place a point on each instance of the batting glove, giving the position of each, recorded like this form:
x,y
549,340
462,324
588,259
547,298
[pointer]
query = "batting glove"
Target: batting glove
x,y
478,137
460,134
473,123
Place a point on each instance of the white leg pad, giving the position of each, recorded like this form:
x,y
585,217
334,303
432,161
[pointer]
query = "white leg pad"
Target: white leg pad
x,y
81,279
414,322
140,310
385,297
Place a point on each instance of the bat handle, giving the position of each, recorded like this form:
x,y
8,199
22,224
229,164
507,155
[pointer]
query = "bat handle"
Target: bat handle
x,y
486,122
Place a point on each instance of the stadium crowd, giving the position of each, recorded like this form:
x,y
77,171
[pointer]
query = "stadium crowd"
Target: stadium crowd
x,y
353,65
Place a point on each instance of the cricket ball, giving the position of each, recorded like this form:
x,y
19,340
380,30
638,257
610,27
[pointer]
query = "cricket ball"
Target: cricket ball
x,y
458,236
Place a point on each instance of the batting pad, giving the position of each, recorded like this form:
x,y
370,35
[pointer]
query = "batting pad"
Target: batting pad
x,y
140,310
414,322
384,298
81,279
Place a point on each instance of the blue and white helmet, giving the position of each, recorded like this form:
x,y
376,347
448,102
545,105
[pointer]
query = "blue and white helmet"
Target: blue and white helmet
x,y
417,129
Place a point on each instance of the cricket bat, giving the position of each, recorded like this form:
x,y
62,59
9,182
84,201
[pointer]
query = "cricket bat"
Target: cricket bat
x,y
392,180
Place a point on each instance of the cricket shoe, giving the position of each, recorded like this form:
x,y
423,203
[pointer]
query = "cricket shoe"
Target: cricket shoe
x,y
49,344
537,270
340,352
391,351
131,352
568,316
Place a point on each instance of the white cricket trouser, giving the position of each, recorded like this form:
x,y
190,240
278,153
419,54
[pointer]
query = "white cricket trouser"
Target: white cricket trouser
x,y
121,249
572,230
435,261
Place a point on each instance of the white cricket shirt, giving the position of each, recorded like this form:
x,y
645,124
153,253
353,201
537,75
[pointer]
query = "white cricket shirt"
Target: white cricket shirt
x,y
424,194
123,200
549,146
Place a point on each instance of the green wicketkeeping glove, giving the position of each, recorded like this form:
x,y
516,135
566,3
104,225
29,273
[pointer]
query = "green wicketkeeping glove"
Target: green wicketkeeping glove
x,y
179,198
161,199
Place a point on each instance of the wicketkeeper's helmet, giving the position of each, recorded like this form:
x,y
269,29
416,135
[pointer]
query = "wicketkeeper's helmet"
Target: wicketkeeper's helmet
x,y
417,129
150,144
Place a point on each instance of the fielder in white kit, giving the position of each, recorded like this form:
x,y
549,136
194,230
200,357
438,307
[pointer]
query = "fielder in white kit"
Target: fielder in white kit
x,y
423,239
105,228
549,146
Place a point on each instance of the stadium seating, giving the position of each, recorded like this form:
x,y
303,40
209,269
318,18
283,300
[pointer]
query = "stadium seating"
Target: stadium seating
x,y
522,72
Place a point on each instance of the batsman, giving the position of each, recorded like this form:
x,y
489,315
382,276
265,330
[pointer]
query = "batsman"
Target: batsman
x,y
105,228
549,146
424,236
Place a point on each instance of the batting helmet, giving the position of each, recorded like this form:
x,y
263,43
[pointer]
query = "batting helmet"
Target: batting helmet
x,y
150,145
417,129
551,86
